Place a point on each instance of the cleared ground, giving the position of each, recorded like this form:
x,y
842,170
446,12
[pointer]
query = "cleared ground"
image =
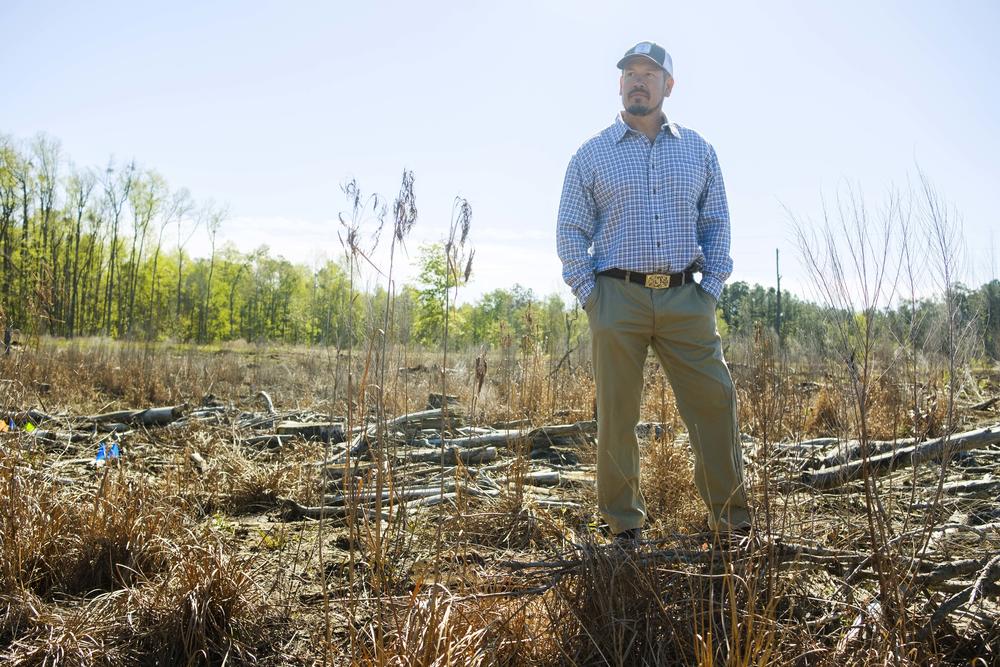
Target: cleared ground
x,y
319,524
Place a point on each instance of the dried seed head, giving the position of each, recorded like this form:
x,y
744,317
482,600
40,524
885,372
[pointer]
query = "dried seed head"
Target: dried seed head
x,y
461,220
465,216
468,265
405,207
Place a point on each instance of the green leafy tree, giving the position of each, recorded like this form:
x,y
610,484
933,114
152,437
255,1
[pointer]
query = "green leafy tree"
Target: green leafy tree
x,y
433,284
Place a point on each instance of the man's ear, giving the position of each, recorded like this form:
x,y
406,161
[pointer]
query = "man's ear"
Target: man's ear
x,y
668,86
621,85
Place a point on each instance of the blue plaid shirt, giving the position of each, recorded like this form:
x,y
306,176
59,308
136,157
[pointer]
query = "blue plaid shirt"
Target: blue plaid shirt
x,y
655,207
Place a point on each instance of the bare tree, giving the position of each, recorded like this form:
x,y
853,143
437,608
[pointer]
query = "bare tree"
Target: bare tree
x,y
8,204
117,185
178,207
854,269
146,198
212,217
243,264
46,155
23,172
185,231
944,233
80,186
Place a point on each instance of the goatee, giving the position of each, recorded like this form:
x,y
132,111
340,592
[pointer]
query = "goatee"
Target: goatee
x,y
639,110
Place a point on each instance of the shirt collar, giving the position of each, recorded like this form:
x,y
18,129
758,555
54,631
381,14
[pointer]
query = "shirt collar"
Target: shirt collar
x,y
621,128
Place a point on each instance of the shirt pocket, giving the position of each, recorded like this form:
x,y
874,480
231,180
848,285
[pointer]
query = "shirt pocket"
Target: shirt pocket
x,y
684,181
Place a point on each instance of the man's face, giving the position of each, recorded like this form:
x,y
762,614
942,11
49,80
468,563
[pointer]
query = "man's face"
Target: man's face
x,y
643,86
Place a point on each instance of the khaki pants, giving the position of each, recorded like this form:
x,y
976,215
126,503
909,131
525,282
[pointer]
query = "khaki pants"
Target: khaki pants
x,y
679,323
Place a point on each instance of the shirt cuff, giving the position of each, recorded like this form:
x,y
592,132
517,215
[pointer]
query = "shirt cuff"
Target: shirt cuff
x,y
712,285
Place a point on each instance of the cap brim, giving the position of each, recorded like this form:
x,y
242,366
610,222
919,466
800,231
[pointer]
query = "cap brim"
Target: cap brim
x,y
621,63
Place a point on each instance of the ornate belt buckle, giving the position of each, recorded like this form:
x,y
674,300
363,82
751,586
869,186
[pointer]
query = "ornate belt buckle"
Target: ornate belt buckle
x,y
658,280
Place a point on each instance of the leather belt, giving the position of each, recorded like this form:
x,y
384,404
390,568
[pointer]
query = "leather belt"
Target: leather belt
x,y
653,280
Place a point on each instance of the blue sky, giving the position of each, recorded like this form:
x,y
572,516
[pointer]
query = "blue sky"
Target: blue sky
x,y
270,106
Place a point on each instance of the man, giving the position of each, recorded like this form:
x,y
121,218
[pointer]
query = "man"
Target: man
x,y
643,209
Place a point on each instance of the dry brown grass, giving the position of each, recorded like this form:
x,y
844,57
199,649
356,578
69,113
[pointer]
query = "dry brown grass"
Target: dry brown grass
x,y
672,500
110,569
61,540
433,626
209,607
158,561
826,416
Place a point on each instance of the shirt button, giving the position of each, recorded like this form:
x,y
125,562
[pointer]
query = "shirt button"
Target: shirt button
x,y
654,191
656,217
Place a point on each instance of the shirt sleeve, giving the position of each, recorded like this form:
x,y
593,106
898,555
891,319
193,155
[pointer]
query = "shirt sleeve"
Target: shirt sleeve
x,y
713,229
577,221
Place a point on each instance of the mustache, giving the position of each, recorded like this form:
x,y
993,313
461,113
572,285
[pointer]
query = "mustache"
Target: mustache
x,y
639,90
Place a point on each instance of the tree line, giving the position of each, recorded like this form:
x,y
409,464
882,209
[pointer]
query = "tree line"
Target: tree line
x,y
89,252
919,323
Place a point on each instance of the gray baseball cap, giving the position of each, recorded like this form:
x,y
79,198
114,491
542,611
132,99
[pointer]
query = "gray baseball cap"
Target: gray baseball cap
x,y
650,51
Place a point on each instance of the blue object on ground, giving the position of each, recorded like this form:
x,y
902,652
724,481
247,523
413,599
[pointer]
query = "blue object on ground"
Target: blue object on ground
x,y
104,452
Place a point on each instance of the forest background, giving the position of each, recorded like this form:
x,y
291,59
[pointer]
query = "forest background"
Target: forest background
x,y
88,252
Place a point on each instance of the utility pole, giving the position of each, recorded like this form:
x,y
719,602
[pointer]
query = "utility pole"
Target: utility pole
x,y
777,309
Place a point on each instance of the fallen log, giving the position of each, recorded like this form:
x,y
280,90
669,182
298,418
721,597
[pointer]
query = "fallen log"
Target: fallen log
x,y
985,405
213,416
400,495
848,451
453,454
882,464
397,496
430,501
546,503
20,418
501,438
425,419
985,585
972,486
561,434
148,417
61,436
203,412
809,445
410,424
534,478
